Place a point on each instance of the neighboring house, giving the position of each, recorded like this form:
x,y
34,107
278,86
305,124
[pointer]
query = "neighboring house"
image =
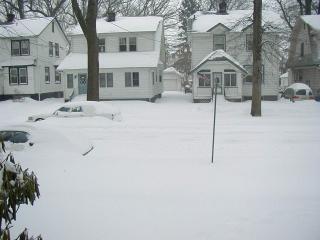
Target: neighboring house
x,y
304,52
30,51
172,79
221,44
131,59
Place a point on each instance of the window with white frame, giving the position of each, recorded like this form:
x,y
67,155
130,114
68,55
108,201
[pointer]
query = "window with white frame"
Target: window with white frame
x,y
248,78
230,78
47,74
50,49
70,80
57,78
18,76
132,44
109,80
20,47
102,80
219,42
204,78
122,44
132,79
56,49
102,44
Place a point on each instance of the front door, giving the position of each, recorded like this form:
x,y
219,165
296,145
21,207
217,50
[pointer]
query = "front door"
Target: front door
x,y
217,78
82,83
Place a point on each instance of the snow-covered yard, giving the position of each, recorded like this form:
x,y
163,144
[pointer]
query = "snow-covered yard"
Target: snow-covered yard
x,y
150,176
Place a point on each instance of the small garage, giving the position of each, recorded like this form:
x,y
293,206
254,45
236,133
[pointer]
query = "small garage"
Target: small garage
x,y
172,80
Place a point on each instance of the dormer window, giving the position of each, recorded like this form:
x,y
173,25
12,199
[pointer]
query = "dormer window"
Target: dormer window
x,y
122,44
132,44
102,44
20,47
219,42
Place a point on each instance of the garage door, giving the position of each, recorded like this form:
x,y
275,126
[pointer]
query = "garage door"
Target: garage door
x,y
170,85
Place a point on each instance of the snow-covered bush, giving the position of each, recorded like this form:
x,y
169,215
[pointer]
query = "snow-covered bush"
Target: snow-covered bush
x,y
17,186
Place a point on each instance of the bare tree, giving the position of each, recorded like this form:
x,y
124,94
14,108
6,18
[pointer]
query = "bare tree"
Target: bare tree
x,y
87,22
257,64
14,6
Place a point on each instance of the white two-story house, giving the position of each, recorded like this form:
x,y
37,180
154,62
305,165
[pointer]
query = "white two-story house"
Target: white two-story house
x,y
131,59
221,44
304,52
30,52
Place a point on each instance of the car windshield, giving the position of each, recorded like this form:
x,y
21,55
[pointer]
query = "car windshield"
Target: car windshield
x,y
14,136
64,109
76,109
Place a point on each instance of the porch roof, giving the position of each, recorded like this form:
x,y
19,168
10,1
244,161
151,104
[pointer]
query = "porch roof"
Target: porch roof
x,y
112,60
220,55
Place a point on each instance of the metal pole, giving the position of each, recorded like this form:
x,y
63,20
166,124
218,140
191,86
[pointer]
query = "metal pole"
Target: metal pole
x,y
214,118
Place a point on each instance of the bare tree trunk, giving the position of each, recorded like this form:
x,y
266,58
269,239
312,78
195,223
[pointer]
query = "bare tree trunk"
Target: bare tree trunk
x,y
88,26
257,47
21,9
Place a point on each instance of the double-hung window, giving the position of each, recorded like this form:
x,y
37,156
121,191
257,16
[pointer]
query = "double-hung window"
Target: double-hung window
x,y
69,80
230,78
249,42
20,47
50,49
132,79
57,75
102,80
132,44
47,74
109,80
122,44
18,76
102,44
56,49
219,42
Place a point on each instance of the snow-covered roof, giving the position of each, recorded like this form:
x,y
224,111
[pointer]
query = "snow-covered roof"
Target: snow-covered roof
x,y
24,27
172,70
235,20
124,24
18,61
220,55
285,75
112,60
312,20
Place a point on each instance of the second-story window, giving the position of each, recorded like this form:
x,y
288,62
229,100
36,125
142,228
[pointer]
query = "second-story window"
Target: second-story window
x,y
302,50
219,42
132,44
56,49
47,74
50,49
122,44
20,47
102,44
249,42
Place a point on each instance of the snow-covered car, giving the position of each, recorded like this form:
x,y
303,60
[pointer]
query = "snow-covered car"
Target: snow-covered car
x,y
298,91
20,137
82,109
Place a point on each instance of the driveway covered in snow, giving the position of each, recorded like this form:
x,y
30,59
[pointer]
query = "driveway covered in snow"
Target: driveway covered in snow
x,y
150,176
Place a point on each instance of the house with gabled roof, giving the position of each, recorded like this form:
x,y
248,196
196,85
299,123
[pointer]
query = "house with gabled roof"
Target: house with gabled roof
x,y
304,53
30,52
131,59
221,44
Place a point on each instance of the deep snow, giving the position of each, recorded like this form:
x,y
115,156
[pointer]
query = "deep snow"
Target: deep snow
x,y
150,176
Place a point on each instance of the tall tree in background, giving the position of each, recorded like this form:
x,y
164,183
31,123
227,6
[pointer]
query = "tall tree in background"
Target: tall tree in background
x,y
257,66
183,52
87,22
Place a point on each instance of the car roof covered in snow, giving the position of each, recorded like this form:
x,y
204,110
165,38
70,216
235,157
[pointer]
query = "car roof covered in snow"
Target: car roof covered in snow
x,y
235,20
28,27
93,106
299,86
312,20
124,24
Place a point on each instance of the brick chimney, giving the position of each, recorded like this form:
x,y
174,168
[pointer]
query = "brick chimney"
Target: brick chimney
x,y
10,17
111,16
222,7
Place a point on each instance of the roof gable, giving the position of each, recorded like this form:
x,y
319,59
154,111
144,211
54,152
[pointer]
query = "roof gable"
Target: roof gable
x,y
219,25
29,27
